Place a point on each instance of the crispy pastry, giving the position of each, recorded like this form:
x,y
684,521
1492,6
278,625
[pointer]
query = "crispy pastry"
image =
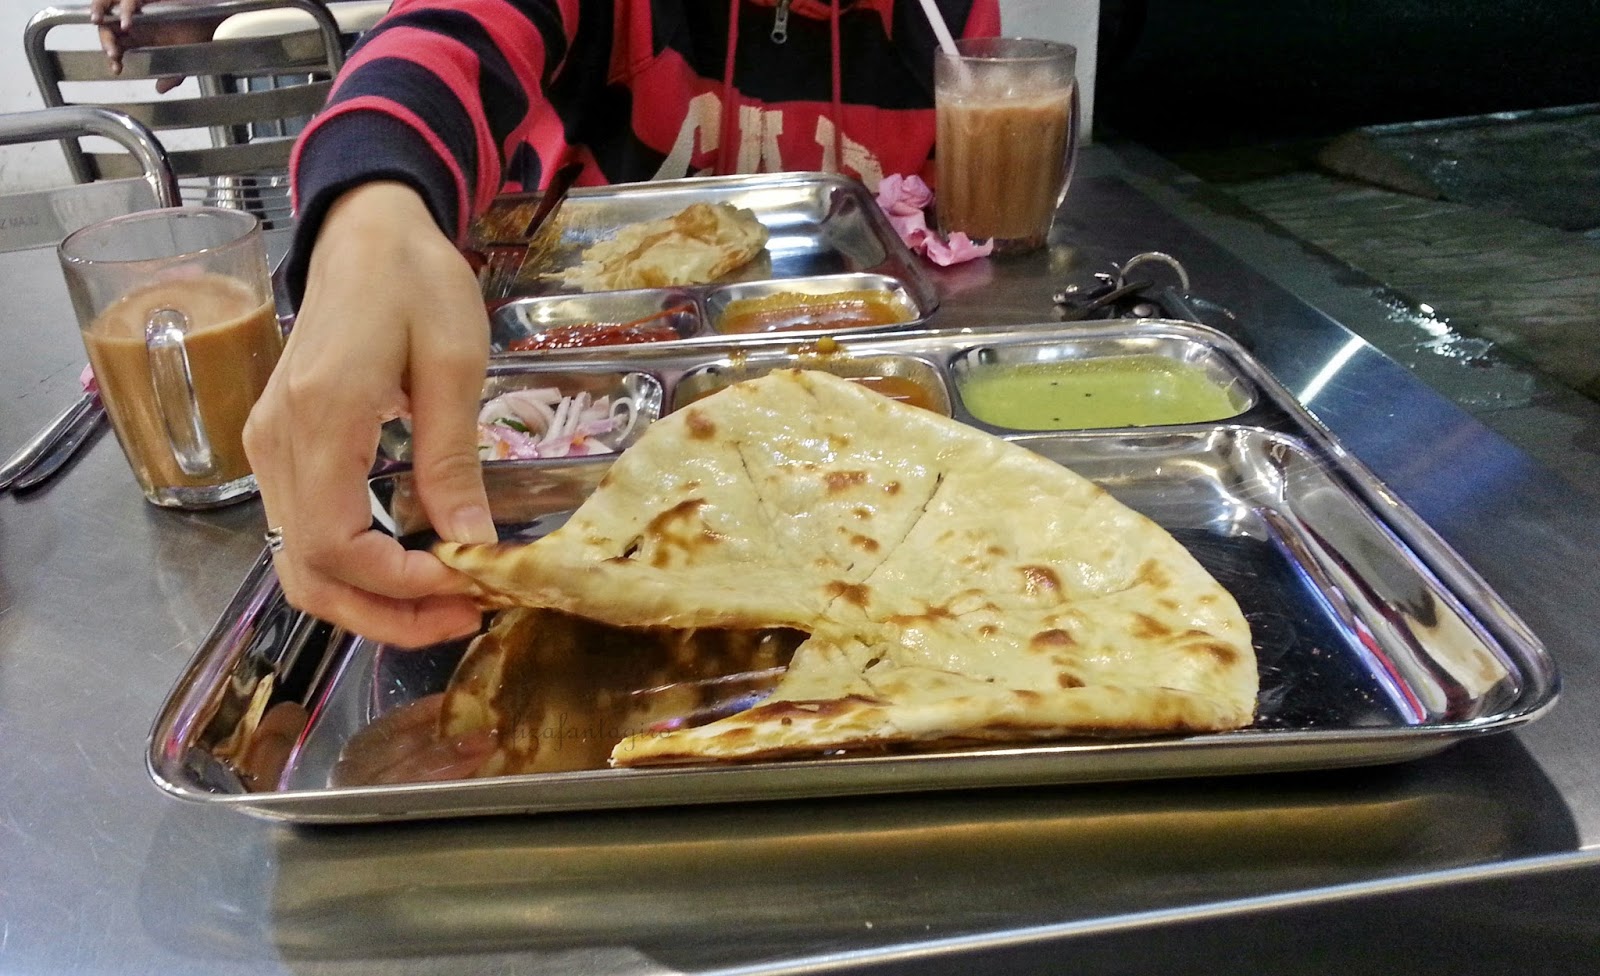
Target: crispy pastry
x,y
699,244
955,587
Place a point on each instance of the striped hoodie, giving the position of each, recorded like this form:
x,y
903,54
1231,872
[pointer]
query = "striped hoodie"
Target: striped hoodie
x,y
463,99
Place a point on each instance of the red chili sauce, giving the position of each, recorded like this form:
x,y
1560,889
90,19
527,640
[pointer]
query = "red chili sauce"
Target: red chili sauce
x,y
596,334
651,328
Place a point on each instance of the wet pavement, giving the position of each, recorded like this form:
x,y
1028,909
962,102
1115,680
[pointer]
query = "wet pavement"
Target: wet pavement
x,y
1467,250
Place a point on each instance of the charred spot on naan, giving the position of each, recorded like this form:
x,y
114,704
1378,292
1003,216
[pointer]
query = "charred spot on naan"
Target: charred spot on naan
x,y
855,594
676,536
839,482
1051,641
930,613
1146,627
700,427
1038,581
1223,655
1152,575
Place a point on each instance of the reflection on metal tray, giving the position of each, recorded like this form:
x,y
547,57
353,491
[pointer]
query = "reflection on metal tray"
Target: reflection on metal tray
x,y
826,235
1375,642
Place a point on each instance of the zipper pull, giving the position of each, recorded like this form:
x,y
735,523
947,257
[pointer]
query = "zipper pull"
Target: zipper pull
x,y
780,22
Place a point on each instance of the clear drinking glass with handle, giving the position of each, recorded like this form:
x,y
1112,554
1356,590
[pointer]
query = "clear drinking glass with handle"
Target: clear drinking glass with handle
x,y
175,309
1007,115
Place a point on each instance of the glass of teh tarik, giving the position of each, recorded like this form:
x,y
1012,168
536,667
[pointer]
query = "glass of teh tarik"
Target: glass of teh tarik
x,y
175,309
1007,111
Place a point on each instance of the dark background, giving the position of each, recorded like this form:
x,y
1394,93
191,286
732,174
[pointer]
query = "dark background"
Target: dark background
x,y
1189,74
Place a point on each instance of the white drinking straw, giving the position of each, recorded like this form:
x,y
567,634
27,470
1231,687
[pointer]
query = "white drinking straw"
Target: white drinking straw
x,y
947,42
941,30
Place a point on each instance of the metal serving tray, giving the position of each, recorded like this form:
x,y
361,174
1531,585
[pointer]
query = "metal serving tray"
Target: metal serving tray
x,y
1376,643
826,235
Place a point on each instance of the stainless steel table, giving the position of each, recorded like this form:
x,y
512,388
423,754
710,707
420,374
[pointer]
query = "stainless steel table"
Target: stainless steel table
x,y
1482,859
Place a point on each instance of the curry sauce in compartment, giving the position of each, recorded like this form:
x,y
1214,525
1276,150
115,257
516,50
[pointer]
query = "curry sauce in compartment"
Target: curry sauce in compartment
x,y
832,303
556,322
902,378
1111,382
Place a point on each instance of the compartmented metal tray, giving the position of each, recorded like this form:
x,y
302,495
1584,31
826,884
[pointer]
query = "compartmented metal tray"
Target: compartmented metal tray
x,y
827,235
1375,642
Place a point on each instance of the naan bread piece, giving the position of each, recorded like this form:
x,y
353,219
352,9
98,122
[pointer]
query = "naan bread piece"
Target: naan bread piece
x,y
955,587
697,245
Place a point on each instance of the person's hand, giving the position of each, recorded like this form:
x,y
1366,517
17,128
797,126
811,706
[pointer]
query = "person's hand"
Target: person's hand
x,y
120,31
392,322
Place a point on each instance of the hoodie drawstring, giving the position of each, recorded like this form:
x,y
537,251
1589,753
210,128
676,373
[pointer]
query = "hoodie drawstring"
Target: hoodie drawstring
x,y
837,114
728,141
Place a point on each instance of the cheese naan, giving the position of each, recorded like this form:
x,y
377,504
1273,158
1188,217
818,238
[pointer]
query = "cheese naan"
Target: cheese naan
x,y
954,587
697,245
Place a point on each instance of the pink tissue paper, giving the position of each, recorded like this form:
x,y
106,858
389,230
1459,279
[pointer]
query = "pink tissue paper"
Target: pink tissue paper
x,y
905,199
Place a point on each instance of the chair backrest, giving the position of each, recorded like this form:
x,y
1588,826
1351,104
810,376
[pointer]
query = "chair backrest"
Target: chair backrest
x,y
354,17
39,218
236,168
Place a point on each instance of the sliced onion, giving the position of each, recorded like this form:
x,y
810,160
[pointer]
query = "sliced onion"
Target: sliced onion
x,y
558,426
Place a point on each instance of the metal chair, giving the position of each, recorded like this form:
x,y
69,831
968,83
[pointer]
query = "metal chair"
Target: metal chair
x,y
354,17
41,218
243,166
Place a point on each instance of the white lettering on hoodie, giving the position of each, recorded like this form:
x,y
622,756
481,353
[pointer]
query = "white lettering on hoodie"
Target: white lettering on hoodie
x,y
759,152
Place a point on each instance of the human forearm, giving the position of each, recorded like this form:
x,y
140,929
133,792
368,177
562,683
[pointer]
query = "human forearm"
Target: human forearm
x,y
430,98
465,75
366,147
391,324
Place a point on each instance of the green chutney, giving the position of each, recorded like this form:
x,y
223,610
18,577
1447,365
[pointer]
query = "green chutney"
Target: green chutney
x,y
1114,391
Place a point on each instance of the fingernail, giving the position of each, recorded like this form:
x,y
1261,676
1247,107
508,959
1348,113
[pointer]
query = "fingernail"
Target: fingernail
x,y
469,523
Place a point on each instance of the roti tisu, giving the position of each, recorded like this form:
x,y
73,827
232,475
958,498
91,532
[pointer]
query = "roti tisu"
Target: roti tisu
x,y
694,246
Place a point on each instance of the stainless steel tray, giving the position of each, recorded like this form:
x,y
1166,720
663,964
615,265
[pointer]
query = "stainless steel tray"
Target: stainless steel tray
x,y
826,235
1376,643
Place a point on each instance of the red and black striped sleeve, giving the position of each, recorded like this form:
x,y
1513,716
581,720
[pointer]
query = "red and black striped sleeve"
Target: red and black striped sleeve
x,y
435,96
